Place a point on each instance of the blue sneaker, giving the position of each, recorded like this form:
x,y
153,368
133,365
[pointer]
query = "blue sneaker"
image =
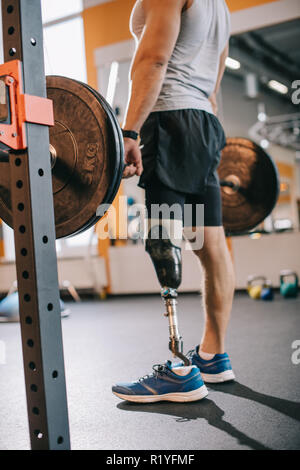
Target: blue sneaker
x,y
218,369
164,384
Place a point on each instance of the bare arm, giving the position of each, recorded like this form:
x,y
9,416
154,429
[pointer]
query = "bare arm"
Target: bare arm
x,y
222,66
162,26
161,31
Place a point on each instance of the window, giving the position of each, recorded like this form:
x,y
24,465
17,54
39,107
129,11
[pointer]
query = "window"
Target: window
x,y
64,49
53,10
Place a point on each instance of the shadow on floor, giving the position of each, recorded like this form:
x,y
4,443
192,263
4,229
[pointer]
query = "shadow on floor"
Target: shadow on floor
x,y
206,409
286,407
213,414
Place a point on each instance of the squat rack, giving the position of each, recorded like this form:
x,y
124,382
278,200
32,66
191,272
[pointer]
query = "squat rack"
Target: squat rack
x,y
34,227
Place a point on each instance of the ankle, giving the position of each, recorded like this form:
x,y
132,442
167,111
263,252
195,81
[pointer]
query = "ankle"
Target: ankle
x,y
213,340
212,347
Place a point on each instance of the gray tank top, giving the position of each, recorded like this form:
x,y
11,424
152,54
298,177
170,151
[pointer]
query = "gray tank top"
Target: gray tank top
x,y
193,67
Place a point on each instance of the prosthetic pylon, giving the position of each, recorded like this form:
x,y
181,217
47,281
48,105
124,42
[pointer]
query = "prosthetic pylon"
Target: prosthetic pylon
x,y
176,343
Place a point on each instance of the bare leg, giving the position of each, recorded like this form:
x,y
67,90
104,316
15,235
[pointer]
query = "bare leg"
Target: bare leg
x,y
218,291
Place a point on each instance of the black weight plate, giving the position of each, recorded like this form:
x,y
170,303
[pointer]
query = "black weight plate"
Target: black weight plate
x,y
117,163
85,151
255,176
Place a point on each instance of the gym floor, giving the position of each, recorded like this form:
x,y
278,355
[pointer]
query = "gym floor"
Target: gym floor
x,y
121,339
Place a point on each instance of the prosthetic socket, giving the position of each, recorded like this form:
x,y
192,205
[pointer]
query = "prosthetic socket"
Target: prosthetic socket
x,y
167,261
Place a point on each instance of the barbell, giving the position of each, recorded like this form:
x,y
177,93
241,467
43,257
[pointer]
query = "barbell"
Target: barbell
x,y
87,160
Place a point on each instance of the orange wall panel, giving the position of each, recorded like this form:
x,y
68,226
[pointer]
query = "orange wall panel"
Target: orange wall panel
x,y
236,5
287,173
105,24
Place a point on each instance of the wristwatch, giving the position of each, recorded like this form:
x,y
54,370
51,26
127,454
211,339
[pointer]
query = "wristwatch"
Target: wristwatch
x,y
130,134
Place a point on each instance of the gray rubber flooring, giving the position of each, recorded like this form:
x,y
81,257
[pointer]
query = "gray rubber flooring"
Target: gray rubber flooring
x,y
122,338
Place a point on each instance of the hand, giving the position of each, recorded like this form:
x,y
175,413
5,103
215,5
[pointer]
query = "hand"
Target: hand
x,y
213,100
133,159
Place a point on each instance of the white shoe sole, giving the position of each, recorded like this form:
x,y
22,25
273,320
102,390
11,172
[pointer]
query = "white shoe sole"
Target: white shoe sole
x,y
194,395
225,376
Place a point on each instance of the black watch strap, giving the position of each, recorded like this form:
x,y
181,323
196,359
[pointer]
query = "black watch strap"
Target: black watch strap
x,y
130,134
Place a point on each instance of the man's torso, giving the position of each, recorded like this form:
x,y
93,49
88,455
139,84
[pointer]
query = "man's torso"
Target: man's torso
x,y
193,67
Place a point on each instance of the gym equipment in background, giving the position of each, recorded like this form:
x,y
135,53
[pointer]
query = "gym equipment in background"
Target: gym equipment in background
x,y
9,309
267,292
86,154
250,185
260,288
289,284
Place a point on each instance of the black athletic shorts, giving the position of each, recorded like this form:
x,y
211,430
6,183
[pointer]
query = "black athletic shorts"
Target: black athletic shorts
x,y
181,153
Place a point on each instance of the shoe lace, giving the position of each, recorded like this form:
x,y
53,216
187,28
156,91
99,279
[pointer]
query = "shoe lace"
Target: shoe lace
x,y
158,370
190,353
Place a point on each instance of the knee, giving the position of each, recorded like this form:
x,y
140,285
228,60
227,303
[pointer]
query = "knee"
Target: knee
x,y
208,255
217,259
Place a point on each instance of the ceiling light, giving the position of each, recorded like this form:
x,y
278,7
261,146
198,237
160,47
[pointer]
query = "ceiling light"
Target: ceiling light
x,y
262,117
264,143
233,64
279,87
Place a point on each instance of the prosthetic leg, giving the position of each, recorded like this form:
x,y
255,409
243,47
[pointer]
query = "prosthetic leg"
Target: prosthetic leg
x,y
165,253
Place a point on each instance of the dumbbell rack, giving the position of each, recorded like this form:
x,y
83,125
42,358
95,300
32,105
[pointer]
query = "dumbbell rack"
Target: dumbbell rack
x,y
34,231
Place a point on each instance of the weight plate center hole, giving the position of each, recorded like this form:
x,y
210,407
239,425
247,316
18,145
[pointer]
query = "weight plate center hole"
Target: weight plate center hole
x,y
236,184
53,156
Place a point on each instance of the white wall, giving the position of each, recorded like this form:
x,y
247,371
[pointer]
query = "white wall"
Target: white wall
x,y
80,272
266,256
264,15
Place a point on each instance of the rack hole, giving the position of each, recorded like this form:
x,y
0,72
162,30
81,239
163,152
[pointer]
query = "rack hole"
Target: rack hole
x,y
11,30
18,161
28,320
21,207
10,9
50,307
60,440
33,388
41,172
30,343
24,252
33,41
55,374
35,411
22,229
12,51
32,366
19,184
45,239
27,298
25,275
38,434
